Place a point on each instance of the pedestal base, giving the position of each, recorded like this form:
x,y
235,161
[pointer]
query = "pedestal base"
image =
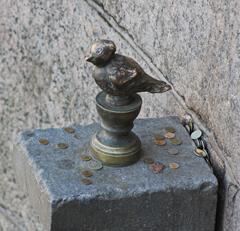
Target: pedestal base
x,y
129,198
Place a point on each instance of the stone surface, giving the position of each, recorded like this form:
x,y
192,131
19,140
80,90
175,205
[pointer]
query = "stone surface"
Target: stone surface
x,y
125,198
44,81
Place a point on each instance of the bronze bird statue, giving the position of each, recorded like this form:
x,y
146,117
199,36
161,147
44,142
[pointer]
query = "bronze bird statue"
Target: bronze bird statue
x,y
119,75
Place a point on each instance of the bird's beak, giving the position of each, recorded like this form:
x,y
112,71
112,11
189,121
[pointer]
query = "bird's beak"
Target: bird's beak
x,y
89,59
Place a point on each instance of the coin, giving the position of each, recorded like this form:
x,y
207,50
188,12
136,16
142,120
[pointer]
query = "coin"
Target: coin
x,y
69,130
77,136
160,142
157,167
159,137
43,141
175,141
86,181
148,160
95,165
86,157
62,145
200,153
173,165
173,151
87,173
196,134
170,129
169,135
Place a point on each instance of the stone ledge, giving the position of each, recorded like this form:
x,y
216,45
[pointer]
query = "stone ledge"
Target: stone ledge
x,y
127,198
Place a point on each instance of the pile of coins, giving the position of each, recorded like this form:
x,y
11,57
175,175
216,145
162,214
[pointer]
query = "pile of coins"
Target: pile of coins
x,y
92,165
170,134
196,136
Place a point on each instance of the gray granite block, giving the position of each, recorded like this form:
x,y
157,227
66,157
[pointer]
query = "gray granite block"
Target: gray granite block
x,y
123,198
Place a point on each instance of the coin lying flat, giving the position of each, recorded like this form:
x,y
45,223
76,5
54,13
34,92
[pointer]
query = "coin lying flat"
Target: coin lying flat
x,y
77,136
173,165
200,153
159,137
86,181
173,151
95,165
175,141
69,130
160,142
87,173
86,157
148,160
169,135
43,141
170,129
62,145
196,134
157,167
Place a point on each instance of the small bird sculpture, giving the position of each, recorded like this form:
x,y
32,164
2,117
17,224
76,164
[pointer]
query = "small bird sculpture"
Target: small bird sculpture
x,y
119,75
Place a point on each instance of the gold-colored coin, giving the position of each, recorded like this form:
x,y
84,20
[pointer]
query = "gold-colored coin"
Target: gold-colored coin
x,y
62,145
69,130
86,181
170,129
159,137
148,160
169,135
199,152
87,173
173,165
160,142
175,141
86,157
43,141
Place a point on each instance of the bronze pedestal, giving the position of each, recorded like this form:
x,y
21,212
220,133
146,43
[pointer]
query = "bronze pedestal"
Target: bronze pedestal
x,y
115,144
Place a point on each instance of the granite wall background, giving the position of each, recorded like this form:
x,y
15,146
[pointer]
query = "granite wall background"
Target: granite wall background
x,y
44,80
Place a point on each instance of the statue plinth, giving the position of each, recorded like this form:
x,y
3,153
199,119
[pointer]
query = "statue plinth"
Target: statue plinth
x,y
115,144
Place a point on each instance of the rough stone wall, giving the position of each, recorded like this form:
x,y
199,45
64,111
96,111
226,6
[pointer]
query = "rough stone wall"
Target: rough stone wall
x,y
44,81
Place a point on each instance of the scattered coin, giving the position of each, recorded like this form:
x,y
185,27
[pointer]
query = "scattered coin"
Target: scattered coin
x,y
196,134
175,141
173,151
169,135
69,130
62,145
86,181
87,173
43,141
160,142
170,129
95,165
148,160
86,157
157,167
159,137
77,136
200,153
174,165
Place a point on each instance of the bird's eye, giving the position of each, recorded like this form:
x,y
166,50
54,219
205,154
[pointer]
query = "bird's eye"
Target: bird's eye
x,y
99,50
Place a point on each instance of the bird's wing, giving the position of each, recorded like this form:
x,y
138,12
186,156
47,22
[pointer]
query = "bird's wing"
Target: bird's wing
x,y
123,75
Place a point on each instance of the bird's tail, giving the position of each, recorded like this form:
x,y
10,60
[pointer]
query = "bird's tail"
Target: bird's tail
x,y
156,86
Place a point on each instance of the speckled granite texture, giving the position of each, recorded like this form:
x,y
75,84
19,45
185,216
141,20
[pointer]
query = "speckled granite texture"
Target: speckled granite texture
x,y
44,81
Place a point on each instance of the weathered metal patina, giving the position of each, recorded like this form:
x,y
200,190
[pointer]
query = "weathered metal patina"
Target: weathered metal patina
x,y
120,78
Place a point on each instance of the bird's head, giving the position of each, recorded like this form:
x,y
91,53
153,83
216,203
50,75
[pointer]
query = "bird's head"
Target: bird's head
x,y
101,52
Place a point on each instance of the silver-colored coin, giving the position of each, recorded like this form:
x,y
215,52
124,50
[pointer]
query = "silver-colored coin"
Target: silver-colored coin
x,y
173,151
196,134
95,165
